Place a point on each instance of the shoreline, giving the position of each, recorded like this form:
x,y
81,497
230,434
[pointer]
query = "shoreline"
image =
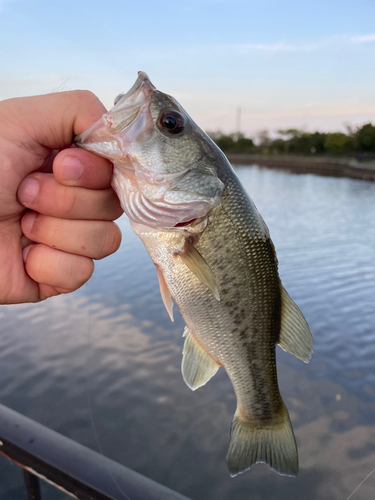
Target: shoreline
x,y
306,165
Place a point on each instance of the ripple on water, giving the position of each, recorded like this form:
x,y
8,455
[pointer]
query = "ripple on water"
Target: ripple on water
x,y
109,354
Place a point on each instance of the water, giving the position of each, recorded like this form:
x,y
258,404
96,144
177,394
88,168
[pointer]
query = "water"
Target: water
x,y
102,365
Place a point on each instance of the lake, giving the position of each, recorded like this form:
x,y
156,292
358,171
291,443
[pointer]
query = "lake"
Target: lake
x,y
102,365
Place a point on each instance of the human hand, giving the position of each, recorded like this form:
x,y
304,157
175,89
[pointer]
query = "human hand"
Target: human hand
x,y
55,222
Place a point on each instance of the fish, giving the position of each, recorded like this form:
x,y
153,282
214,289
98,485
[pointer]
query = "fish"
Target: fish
x,y
214,259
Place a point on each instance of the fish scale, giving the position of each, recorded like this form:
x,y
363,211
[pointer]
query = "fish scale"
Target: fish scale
x,y
214,258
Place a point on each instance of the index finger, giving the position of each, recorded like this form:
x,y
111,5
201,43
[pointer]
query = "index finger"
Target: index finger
x,y
42,193
51,120
77,167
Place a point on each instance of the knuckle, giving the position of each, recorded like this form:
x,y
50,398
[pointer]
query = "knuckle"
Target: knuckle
x,y
111,240
116,209
88,100
82,271
87,96
56,268
68,202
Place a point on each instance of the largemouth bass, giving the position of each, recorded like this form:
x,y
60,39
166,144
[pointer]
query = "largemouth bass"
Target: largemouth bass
x,y
214,258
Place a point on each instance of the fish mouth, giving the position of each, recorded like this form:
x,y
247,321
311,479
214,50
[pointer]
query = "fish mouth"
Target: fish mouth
x,y
147,196
129,114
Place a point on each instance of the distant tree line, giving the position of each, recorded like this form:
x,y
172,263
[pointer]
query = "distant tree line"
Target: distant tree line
x,y
356,140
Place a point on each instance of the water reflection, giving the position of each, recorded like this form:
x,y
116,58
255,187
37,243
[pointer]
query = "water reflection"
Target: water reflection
x,y
108,355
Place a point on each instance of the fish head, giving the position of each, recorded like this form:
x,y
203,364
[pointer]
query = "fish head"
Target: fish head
x,y
163,169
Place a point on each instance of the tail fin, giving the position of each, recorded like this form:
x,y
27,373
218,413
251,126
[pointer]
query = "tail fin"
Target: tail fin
x,y
272,443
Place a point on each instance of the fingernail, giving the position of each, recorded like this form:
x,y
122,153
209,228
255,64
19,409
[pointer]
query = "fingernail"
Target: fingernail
x,y
25,251
71,168
28,222
28,190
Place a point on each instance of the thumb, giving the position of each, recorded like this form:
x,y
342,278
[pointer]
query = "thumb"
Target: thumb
x,y
50,120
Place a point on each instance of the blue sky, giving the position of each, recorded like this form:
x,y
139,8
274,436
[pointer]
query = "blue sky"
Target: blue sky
x,y
287,63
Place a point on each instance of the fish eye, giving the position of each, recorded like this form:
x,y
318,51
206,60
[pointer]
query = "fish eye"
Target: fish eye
x,y
171,122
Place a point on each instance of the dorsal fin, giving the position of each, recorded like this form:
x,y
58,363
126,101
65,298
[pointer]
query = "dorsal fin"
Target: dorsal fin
x,y
295,335
197,365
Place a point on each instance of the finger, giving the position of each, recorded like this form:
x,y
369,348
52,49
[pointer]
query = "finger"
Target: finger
x,y
46,291
42,193
76,167
73,112
25,242
54,268
90,238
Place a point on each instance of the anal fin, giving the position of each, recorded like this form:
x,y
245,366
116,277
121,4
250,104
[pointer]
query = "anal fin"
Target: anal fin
x,y
165,295
197,365
295,335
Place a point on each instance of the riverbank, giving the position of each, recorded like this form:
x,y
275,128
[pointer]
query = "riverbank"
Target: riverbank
x,y
309,165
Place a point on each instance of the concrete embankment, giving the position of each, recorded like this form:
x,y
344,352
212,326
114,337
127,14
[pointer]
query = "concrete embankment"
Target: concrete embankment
x,y
306,165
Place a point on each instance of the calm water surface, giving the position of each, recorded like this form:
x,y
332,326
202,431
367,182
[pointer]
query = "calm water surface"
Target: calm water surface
x,y
102,365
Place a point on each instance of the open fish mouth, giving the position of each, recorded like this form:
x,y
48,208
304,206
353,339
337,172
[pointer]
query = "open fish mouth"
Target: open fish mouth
x,y
121,124
152,192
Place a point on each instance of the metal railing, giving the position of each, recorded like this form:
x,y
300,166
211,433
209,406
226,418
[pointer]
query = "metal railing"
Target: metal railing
x,y
80,472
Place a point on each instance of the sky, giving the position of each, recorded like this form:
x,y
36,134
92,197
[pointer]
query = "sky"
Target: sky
x,y
285,63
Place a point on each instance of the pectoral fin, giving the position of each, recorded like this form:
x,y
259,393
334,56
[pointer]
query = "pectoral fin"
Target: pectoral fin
x,y
197,365
197,265
295,335
165,295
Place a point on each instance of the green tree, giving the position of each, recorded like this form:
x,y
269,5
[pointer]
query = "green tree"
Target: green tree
x,y
317,140
244,145
337,142
365,138
233,143
277,146
296,141
225,142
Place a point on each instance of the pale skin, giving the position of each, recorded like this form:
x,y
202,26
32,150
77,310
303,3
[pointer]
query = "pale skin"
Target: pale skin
x,y
57,206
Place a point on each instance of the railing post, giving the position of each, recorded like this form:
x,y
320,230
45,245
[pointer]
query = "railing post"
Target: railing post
x,y
32,486
70,466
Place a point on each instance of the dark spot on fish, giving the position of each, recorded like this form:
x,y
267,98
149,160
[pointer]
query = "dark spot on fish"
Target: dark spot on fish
x,y
243,334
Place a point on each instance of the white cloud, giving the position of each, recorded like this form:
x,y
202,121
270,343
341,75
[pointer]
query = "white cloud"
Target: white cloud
x,y
275,47
284,47
309,46
364,38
